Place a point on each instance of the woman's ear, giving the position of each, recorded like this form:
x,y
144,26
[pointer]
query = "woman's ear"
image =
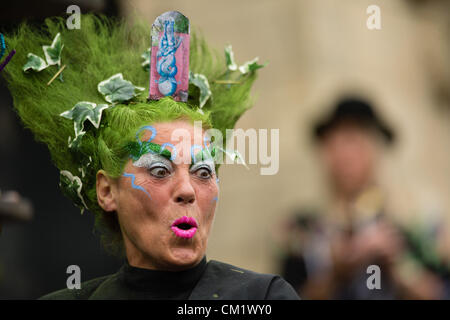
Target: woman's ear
x,y
105,191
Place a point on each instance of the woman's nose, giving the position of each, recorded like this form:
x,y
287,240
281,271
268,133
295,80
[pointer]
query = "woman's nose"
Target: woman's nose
x,y
184,191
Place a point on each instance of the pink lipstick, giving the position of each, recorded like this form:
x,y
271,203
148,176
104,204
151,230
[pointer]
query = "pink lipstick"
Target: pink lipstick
x,y
184,227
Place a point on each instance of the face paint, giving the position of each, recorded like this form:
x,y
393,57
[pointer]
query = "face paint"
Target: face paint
x,y
133,185
173,153
179,191
202,155
196,156
204,169
138,148
157,165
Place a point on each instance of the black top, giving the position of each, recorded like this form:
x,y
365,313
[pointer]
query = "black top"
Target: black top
x,y
208,280
155,284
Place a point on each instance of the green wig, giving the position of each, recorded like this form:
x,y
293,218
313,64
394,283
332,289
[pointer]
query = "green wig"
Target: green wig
x,y
103,47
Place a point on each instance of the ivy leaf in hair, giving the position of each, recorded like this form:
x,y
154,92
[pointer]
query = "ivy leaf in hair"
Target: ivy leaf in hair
x,y
35,63
81,112
251,66
201,82
75,143
71,186
53,52
117,90
229,58
235,156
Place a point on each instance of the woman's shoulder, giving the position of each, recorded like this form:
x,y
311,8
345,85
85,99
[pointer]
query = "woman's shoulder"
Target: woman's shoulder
x,y
225,281
219,281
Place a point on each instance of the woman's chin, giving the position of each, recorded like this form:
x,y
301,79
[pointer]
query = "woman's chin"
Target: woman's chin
x,y
185,257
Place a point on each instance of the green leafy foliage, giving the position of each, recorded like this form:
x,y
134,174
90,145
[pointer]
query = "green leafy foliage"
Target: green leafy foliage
x,y
53,52
201,82
52,55
229,58
117,90
251,66
81,112
34,63
71,186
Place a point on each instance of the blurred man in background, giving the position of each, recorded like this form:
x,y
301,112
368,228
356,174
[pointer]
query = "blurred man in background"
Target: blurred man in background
x,y
329,254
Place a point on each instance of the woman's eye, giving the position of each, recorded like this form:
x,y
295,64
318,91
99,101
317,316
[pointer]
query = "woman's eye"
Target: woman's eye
x,y
203,173
159,172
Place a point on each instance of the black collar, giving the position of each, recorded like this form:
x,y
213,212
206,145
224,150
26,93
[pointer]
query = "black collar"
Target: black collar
x,y
161,282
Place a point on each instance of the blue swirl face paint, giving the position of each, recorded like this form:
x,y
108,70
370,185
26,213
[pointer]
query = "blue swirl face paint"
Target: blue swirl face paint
x,y
139,148
155,157
149,128
133,185
206,139
173,155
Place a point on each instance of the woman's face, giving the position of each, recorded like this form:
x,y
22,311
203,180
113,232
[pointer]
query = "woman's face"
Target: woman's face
x,y
165,207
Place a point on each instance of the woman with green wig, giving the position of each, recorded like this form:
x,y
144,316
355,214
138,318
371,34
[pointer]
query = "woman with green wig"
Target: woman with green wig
x,y
135,160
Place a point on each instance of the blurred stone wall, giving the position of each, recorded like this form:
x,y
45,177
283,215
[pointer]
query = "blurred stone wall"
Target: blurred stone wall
x,y
318,50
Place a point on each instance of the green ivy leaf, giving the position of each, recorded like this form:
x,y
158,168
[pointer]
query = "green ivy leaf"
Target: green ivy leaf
x,y
117,90
84,166
251,66
229,58
35,63
235,156
201,82
71,186
81,112
146,56
75,143
53,52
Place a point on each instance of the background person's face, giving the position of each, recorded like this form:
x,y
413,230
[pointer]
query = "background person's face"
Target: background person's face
x,y
146,216
349,154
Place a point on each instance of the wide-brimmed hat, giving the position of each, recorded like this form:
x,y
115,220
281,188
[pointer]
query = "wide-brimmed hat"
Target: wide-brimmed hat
x,y
355,109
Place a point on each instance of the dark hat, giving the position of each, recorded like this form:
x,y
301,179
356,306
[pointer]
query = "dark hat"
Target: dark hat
x,y
357,110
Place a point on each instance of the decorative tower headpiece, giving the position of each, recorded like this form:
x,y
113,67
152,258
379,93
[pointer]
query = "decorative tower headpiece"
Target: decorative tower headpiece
x,y
169,70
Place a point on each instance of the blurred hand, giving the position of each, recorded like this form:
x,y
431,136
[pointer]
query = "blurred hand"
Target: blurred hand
x,y
379,240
